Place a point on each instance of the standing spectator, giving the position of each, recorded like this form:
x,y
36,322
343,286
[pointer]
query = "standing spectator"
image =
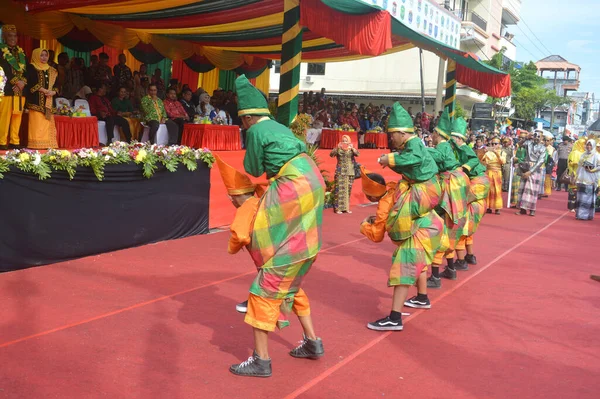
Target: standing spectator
x,y
122,72
62,68
176,112
531,177
344,174
74,79
103,74
588,174
564,149
101,108
90,73
155,114
160,83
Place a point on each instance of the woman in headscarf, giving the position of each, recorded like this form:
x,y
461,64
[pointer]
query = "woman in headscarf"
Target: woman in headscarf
x,y
588,174
572,165
344,174
41,78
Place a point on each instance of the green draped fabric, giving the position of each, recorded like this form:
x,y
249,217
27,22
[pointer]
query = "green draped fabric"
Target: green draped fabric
x,y
78,54
227,80
164,66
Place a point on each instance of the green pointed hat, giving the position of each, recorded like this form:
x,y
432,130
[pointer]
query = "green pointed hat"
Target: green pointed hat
x,y
459,128
444,126
250,100
400,120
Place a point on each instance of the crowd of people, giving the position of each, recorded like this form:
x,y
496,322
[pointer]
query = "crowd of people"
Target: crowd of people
x,y
114,95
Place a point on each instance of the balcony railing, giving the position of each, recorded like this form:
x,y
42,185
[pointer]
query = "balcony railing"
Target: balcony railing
x,y
479,21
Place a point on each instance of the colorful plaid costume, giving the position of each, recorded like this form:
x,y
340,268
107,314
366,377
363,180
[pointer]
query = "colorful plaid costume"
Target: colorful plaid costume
x,y
479,187
494,163
416,228
455,187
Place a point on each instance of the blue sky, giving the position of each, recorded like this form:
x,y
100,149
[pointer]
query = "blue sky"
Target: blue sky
x,y
569,28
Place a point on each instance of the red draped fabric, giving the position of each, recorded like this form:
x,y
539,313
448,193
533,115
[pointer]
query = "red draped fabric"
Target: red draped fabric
x,y
28,44
47,5
495,85
76,132
331,138
379,139
213,137
184,74
367,34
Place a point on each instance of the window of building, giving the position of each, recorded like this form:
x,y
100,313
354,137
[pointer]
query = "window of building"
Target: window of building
x,y
316,69
277,65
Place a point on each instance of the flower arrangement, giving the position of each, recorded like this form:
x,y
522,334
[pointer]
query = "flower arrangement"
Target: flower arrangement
x,y
299,125
202,121
378,129
347,128
64,110
149,156
217,120
79,112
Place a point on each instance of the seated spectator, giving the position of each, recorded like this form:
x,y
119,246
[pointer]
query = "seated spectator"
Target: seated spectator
x,y
175,111
101,108
221,114
155,114
188,104
122,104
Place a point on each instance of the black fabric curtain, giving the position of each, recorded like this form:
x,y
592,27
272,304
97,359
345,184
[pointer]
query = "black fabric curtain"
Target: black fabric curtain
x,y
57,219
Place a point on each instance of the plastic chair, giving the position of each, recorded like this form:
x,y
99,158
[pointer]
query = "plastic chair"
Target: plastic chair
x,y
162,135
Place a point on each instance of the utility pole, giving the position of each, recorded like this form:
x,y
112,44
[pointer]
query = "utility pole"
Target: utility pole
x,y
552,115
422,82
440,87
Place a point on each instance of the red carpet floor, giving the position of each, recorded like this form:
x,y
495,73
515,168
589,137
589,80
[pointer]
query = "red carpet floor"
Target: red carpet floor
x,y
159,321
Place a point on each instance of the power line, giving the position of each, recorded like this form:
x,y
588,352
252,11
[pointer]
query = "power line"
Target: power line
x,y
527,25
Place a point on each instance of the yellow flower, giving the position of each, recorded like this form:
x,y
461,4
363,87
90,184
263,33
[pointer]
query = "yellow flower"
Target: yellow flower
x,y
24,156
65,154
141,155
52,158
185,150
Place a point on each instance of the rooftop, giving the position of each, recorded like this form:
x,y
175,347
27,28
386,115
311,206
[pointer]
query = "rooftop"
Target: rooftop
x,y
556,62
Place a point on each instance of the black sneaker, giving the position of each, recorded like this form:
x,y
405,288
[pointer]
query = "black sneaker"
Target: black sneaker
x,y
449,273
434,282
253,367
471,259
488,211
461,264
309,349
418,304
385,324
242,307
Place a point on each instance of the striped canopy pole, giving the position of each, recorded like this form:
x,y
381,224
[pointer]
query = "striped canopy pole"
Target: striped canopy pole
x,y
450,97
291,56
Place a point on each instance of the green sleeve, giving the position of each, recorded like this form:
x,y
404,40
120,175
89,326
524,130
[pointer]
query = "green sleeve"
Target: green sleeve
x,y
115,104
254,160
129,106
437,156
407,158
471,158
163,111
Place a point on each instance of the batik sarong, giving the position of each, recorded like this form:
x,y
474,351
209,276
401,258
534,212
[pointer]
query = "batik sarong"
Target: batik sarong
x,y
341,192
414,226
417,252
286,236
477,202
494,199
585,205
529,189
514,191
548,185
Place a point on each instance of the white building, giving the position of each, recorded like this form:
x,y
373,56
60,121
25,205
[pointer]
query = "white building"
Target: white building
x,y
476,26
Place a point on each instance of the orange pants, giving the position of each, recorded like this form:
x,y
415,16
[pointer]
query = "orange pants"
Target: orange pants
x,y
263,313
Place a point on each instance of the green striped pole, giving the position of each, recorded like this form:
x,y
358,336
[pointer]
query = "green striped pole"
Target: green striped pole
x,y
450,97
291,56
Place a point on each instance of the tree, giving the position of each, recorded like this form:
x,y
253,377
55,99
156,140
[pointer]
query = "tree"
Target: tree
x,y
459,111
